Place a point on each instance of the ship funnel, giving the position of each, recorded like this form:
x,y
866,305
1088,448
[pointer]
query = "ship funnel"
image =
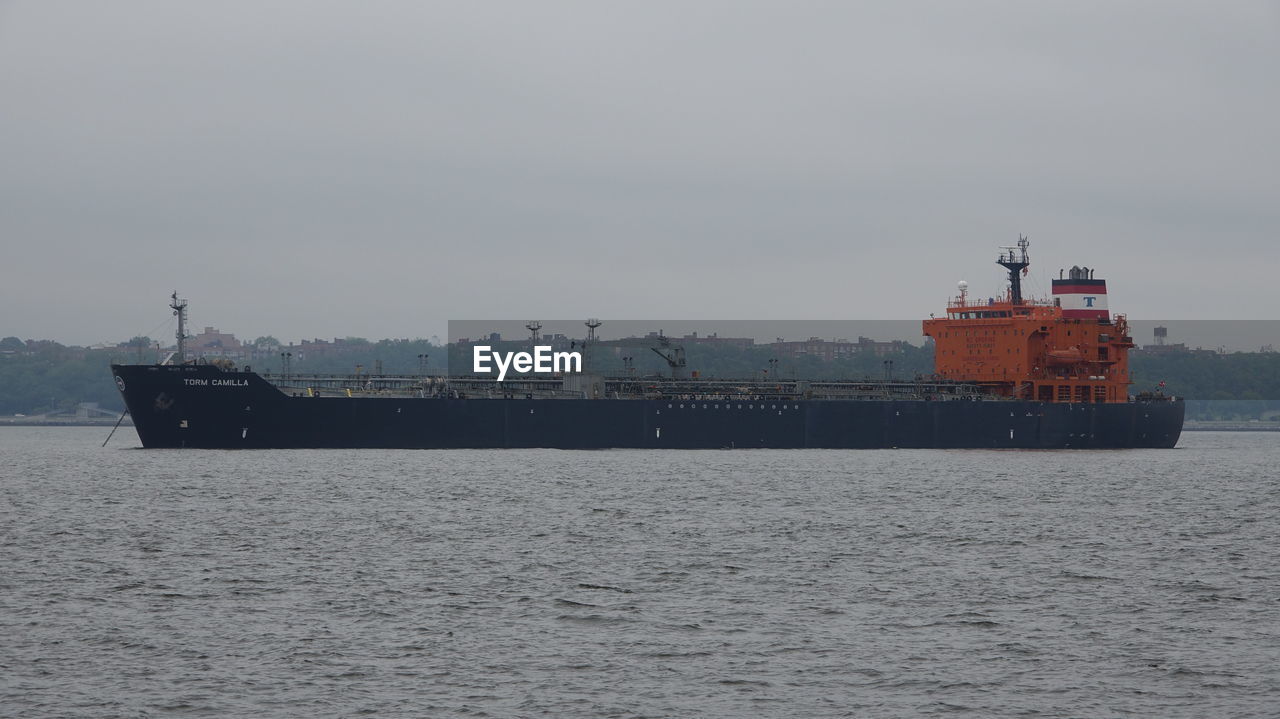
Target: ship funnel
x,y
1080,295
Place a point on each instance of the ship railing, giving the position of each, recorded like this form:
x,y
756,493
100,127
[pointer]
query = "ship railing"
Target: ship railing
x,y
976,304
699,389
349,381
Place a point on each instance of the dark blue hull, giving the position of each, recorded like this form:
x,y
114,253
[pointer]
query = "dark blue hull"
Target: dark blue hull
x,y
204,407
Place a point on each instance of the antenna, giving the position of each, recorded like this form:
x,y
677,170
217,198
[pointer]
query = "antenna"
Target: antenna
x,y
1015,260
179,308
592,324
533,326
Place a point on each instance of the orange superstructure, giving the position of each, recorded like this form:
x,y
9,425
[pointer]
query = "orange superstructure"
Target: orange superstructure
x,y
1066,349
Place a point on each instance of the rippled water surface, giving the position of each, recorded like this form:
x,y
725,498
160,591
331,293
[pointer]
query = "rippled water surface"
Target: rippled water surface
x,y
527,583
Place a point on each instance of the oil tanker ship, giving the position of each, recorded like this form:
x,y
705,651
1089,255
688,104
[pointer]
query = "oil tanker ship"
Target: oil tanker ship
x,y
1009,373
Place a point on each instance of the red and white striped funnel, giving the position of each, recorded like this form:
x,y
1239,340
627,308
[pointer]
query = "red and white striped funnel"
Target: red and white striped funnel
x,y
1081,296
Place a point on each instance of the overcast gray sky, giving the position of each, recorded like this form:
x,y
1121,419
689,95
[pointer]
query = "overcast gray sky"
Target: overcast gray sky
x,y
377,168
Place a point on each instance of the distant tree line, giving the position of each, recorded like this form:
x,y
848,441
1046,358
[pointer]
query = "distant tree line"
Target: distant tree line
x,y
1237,385
403,357
40,376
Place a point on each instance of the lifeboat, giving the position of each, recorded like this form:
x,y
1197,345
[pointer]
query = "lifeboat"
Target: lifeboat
x,y
1071,355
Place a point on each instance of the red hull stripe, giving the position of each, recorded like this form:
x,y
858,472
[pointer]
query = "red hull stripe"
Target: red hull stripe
x,y
1085,314
1079,289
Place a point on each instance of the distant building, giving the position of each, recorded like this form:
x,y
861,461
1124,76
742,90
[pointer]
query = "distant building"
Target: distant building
x,y
831,350
212,343
493,339
741,343
693,338
322,348
1161,344
558,341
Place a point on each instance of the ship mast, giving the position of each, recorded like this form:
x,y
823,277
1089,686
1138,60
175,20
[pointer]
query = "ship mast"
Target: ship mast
x,y
180,309
1016,263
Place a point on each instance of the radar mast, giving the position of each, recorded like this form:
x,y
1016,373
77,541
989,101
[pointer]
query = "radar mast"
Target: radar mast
x,y
1016,261
180,310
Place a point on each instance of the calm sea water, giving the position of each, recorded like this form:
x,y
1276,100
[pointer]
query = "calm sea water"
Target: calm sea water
x,y
519,583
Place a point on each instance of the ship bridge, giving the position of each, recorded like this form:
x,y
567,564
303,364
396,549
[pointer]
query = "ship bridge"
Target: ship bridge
x,y
1065,349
